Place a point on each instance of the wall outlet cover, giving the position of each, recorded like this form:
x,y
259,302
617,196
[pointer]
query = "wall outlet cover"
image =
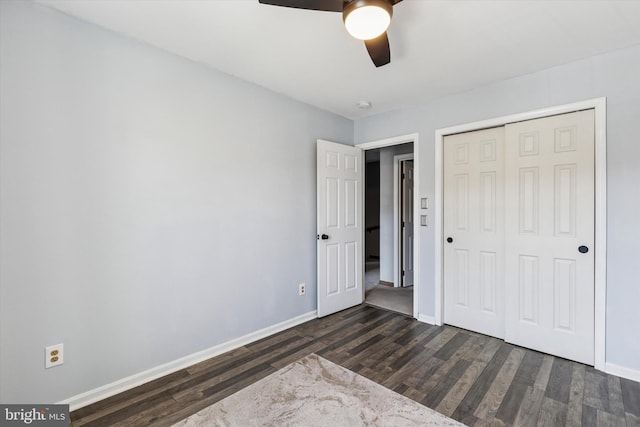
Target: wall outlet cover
x,y
53,355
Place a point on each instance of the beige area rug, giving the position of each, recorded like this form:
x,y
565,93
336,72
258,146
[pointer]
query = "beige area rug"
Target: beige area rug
x,y
316,392
389,298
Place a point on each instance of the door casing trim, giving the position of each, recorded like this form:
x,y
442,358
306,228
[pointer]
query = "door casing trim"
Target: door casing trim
x,y
599,105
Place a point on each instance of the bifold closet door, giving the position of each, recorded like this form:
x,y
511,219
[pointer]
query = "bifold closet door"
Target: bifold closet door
x,y
474,231
549,235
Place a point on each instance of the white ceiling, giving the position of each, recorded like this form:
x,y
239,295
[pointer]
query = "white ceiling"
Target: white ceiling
x,y
438,47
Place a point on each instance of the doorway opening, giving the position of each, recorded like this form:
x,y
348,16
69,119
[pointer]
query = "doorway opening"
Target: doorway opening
x,y
388,213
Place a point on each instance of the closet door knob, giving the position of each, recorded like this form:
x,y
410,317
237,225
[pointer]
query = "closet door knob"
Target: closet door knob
x,y
583,249
449,239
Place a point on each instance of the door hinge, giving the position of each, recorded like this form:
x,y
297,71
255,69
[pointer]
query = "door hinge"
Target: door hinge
x,y
403,272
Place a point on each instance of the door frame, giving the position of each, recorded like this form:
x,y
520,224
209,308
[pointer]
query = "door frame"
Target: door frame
x,y
397,229
388,142
599,105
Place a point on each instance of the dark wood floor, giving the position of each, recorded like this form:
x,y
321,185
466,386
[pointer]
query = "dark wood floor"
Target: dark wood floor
x,y
470,377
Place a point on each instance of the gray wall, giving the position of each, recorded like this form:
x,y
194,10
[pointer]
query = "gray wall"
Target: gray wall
x,y
614,75
386,208
386,215
151,207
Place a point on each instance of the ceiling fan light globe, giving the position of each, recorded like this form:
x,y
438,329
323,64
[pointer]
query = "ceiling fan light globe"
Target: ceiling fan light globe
x,y
367,20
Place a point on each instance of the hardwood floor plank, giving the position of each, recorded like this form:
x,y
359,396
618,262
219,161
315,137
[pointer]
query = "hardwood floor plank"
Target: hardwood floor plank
x,y
414,332
510,405
414,394
280,362
123,401
462,373
553,413
560,380
288,335
438,338
219,360
369,339
436,394
616,404
529,411
589,416
606,419
432,381
487,349
405,356
401,388
416,371
542,379
632,420
327,327
257,371
204,380
346,336
630,396
482,384
113,418
492,400
447,350
596,390
376,375
459,390
525,376
576,396
529,368
365,345
382,354
193,403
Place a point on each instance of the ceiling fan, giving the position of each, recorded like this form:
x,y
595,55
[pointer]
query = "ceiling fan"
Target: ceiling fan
x,y
366,20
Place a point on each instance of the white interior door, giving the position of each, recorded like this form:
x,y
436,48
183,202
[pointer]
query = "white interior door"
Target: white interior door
x,y
406,224
474,231
549,197
340,228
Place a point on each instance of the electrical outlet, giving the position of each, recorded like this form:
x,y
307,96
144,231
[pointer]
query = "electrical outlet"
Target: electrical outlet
x,y
53,355
301,289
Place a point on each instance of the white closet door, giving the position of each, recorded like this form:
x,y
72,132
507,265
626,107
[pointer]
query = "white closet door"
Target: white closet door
x,y
474,232
549,229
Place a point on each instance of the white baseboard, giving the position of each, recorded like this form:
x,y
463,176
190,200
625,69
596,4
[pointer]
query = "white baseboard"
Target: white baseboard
x,y
140,378
621,371
426,319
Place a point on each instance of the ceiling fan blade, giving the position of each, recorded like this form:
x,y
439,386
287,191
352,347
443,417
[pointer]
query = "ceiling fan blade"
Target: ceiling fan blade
x,y
378,49
325,5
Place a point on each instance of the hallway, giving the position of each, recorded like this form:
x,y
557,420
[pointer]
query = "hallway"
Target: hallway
x,y
399,300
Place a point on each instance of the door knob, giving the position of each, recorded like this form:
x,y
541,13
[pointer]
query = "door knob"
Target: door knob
x,y
324,237
449,239
583,249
